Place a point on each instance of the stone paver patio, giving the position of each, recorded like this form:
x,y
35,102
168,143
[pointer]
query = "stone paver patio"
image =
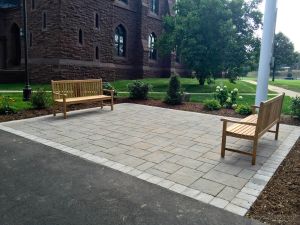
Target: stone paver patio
x,y
174,149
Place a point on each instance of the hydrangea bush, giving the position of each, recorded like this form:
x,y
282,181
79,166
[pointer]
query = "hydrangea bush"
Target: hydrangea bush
x,y
226,98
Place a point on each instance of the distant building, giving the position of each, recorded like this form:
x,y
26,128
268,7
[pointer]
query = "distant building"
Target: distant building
x,y
77,39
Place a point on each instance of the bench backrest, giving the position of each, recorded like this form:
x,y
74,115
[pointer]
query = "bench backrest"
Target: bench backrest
x,y
269,114
77,88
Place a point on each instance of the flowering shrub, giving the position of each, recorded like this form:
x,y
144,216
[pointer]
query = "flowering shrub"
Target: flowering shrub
x,y
226,98
6,105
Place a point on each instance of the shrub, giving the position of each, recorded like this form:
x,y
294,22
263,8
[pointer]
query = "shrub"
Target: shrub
x,y
5,105
243,109
108,86
212,104
40,99
295,106
227,99
174,95
138,90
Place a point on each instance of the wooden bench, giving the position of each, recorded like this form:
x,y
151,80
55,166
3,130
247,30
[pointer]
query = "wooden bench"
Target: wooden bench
x,y
68,92
254,126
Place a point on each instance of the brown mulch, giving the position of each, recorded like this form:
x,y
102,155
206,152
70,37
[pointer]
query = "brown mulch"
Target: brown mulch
x,y
279,203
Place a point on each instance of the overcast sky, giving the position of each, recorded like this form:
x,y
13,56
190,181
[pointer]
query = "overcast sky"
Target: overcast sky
x,y
288,20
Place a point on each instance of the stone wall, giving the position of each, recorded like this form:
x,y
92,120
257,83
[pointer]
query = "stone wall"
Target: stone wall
x,y
56,53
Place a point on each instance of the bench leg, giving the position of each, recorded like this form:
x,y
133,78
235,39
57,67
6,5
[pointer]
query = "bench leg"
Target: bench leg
x,y
277,131
101,104
65,111
254,151
223,139
112,103
54,109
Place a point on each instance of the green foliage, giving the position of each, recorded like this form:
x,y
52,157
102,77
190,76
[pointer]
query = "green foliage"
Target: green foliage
x,y
40,99
174,96
284,51
243,110
226,98
138,89
295,106
108,86
6,105
212,104
212,35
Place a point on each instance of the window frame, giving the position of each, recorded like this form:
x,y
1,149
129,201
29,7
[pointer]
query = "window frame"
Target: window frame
x,y
80,37
44,20
152,38
120,43
154,6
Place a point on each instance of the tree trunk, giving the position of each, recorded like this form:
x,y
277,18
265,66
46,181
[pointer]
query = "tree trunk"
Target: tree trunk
x,y
201,80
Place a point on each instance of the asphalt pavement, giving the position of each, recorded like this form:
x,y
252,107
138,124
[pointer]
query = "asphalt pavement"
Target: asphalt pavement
x,y
42,185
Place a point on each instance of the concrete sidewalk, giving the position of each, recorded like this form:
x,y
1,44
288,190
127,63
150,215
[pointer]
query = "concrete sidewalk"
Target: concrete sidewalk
x,y
41,185
279,90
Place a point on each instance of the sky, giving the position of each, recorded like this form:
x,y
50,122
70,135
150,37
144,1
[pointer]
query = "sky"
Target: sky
x,y
288,20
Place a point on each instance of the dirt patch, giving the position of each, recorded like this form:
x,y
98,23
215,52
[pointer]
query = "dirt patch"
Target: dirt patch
x,y
279,203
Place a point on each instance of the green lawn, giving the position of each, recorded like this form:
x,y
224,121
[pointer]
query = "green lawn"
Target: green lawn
x,y
18,103
20,86
293,85
188,85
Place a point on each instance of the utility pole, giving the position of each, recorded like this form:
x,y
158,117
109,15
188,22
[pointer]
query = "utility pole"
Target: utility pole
x,y
27,88
266,51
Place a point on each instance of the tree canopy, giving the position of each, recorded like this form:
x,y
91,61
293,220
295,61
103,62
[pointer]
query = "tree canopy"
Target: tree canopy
x,y
284,52
212,36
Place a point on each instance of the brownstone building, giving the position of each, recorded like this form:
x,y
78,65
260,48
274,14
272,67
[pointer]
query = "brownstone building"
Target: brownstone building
x,y
78,39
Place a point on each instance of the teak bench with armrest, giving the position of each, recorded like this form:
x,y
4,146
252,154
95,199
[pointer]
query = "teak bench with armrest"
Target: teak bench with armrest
x,y
68,92
254,126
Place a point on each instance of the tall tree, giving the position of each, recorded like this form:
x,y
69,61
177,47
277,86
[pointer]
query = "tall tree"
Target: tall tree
x,y
212,35
283,51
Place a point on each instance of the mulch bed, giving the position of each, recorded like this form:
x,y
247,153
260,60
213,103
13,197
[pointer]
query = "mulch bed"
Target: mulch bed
x,y
279,203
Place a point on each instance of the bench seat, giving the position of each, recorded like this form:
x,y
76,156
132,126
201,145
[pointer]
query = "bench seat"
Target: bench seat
x,y
75,100
243,129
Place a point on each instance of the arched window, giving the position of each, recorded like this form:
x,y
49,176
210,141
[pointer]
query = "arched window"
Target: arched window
x,y
120,41
151,46
80,37
97,52
44,21
32,4
154,6
96,20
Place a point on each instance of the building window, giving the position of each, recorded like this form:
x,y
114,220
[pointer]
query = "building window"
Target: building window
x,y
154,6
30,39
97,20
124,1
80,37
44,21
151,46
97,52
32,4
120,41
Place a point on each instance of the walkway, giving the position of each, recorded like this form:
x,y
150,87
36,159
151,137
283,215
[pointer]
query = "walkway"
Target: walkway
x,y
41,185
277,89
174,149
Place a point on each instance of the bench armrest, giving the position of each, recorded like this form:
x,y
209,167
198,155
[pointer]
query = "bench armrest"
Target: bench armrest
x,y
254,107
59,94
111,91
239,122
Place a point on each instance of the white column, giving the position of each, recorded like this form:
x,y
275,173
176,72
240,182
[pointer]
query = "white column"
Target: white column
x,y
266,51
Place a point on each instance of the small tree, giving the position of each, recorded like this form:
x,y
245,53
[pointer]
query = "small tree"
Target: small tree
x,y
174,96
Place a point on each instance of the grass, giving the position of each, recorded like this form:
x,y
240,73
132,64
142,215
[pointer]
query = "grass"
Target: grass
x,y
18,103
188,85
20,86
293,85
